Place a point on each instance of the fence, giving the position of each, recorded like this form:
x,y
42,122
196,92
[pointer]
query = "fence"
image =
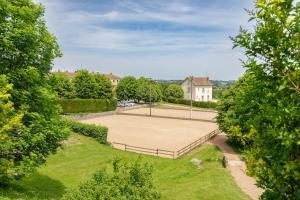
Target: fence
x,y
172,154
157,152
197,143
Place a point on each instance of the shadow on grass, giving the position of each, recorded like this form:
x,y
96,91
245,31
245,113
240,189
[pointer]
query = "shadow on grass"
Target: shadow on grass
x,y
35,186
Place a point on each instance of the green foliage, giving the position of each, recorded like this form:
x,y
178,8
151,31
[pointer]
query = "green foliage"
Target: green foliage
x,y
25,40
127,88
62,85
27,50
143,90
87,105
90,130
128,181
174,179
9,121
104,87
199,104
262,110
174,91
85,85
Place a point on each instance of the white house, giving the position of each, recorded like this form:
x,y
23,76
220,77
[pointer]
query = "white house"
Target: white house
x,y
199,87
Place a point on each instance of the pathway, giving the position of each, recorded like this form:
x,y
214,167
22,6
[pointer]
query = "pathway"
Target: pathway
x,y
237,168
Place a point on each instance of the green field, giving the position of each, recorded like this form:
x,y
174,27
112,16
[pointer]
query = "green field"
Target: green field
x,y
175,179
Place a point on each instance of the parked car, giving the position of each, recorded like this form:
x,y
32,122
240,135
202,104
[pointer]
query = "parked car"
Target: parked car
x,y
126,103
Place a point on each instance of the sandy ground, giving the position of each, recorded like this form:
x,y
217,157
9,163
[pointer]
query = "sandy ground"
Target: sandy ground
x,y
161,133
238,168
174,113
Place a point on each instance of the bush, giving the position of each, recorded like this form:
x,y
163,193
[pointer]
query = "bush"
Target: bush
x,y
87,105
128,181
174,91
199,104
90,130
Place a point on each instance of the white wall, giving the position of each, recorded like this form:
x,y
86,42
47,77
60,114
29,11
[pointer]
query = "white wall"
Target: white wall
x,y
200,93
203,93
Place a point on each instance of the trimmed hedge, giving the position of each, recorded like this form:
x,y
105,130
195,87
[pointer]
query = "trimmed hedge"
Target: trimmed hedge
x,y
87,105
199,104
90,130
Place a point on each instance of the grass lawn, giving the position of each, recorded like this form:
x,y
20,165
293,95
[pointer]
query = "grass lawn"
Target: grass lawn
x,y
175,179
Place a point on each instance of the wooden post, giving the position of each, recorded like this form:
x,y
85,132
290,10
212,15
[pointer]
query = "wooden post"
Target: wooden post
x,y
125,147
156,152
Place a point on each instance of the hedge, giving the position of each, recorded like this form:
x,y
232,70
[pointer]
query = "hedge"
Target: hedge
x,y
199,104
90,130
87,105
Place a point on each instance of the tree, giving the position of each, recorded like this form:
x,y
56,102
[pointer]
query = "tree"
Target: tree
x,y
27,51
272,106
126,89
62,85
85,85
25,40
104,87
128,181
143,90
174,91
9,121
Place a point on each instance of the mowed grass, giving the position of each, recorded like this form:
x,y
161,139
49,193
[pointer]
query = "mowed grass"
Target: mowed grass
x,y
175,179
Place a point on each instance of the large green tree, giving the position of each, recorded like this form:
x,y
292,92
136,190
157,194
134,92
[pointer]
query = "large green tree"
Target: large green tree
x,y
174,91
266,108
62,85
104,87
126,89
85,85
27,50
145,86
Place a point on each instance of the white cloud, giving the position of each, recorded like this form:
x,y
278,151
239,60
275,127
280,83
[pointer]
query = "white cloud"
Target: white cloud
x,y
82,30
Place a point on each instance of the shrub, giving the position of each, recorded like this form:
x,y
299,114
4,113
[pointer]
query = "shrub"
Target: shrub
x,y
90,130
128,181
87,105
199,104
174,91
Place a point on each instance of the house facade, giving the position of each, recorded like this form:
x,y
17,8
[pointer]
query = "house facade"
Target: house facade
x,y
200,88
113,78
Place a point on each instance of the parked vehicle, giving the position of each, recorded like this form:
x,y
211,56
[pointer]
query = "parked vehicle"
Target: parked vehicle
x,y
126,103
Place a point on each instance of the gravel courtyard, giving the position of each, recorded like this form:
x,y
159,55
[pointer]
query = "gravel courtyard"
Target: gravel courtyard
x,y
180,113
161,133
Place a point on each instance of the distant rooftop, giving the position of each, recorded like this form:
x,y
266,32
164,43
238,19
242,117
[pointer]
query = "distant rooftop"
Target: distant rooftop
x,y
200,81
110,76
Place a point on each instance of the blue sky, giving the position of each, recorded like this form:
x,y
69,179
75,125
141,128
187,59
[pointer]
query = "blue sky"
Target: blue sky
x,y
162,39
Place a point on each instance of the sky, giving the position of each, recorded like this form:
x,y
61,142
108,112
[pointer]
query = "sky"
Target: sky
x,y
161,39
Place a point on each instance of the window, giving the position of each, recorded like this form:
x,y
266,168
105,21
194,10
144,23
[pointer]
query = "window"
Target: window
x,y
202,98
188,89
203,90
208,98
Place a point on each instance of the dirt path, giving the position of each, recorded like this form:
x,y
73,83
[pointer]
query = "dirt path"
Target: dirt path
x,y
237,168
